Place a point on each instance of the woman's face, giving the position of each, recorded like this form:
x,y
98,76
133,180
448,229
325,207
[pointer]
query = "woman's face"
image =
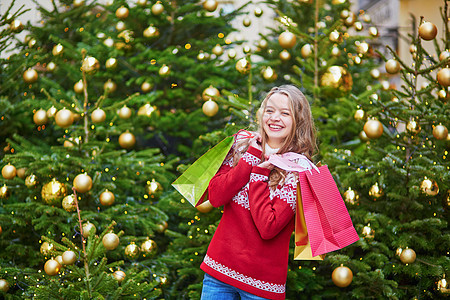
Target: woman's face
x,y
277,120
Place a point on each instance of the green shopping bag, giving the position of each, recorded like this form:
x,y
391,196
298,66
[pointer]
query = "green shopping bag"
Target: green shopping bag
x,y
192,184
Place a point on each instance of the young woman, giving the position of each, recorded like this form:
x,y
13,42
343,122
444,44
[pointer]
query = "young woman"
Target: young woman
x,y
248,254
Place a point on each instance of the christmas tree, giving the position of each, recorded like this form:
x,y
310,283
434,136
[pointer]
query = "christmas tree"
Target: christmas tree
x,y
99,105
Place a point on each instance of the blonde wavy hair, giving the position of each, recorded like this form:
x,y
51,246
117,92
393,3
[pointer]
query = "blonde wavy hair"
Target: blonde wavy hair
x,y
302,138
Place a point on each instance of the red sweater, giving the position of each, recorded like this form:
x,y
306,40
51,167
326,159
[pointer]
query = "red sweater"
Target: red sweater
x,y
250,247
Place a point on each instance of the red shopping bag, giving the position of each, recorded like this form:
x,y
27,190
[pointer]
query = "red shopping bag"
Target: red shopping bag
x,y
328,222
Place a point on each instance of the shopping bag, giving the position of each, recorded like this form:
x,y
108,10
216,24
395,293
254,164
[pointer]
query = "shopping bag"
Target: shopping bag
x,y
302,250
328,223
192,184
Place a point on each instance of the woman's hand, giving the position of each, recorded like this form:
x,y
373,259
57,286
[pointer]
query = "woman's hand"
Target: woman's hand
x,y
255,141
266,165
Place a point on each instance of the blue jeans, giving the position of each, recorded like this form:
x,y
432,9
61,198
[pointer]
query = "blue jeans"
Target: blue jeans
x,y
214,289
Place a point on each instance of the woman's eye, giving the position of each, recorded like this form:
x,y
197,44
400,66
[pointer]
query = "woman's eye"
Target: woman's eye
x,y
285,114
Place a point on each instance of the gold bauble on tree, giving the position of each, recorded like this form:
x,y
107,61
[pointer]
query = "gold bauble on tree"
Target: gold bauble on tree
x,y
51,66
16,26
351,196
90,65
98,115
52,267
164,71
21,173
31,181
146,87
46,247
440,132
359,115
335,36
78,3
111,63
247,22
375,73
148,247
258,12
376,191
132,250
157,8
217,50
444,55
342,276
429,187
285,55
373,31
142,3
4,285
350,20
153,188
392,66
82,183
287,40
210,93
443,77
110,241
9,171
243,66
127,140
210,108
362,47
335,52
58,50
122,12
53,192
40,117
151,32
306,50
205,207
124,113
147,110
64,118
69,257
210,5
269,74
79,87
30,76
427,31
408,256
413,126
110,86
338,79
69,203
88,228
4,192
107,198
119,275
373,129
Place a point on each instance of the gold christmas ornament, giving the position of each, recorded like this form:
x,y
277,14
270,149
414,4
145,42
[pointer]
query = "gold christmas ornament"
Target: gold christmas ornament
x,y
335,52
408,256
151,32
413,126
350,20
342,276
385,85
79,87
51,66
46,247
90,65
110,86
358,26
31,181
30,76
376,191
373,129
148,247
4,192
210,5
110,241
53,192
337,78
362,47
258,12
247,22
40,117
153,188
52,267
98,115
368,232
217,50
124,113
146,87
164,71
64,118
306,50
375,73
157,8
57,50
132,250
335,36
21,173
69,203
32,42
127,140
205,207
269,74
9,171
344,14
59,260
337,2
285,55
263,43
373,31
443,77
147,110
16,26
122,12
107,198
392,66
82,183
111,63
69,257
243,66
440,132
109,42
4,285
231,53
429,187
442,286
210,93
444,55
443,94
141,2
351,196
210,108
427,31
88,227
366,18
71,142
78,3
359,114
287,40
119,275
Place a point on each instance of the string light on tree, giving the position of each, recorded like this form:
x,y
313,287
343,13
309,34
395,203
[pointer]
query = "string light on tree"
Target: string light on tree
x,y
342,276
